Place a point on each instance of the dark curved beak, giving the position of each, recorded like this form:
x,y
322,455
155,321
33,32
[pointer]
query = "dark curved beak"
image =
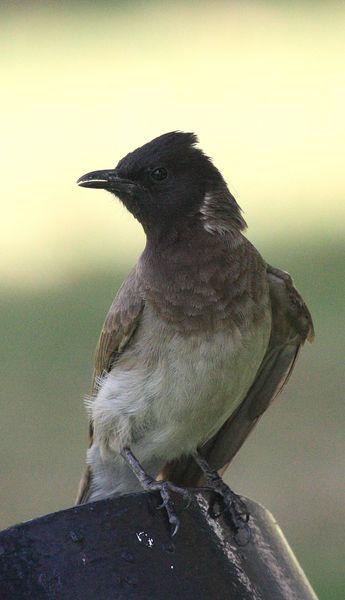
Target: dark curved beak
x,y
107,180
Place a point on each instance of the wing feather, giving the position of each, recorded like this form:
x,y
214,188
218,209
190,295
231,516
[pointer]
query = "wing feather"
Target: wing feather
x,y
291,326
119,326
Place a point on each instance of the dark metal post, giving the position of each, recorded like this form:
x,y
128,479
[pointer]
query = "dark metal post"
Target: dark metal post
x,y
122,549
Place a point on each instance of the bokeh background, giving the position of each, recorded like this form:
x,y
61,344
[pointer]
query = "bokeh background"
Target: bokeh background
x,y
262,83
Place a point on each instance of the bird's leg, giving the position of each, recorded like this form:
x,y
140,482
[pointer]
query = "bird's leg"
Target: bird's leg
x,y
164,487
233,503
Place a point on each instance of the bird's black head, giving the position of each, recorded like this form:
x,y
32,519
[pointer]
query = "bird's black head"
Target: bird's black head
x,y
169,181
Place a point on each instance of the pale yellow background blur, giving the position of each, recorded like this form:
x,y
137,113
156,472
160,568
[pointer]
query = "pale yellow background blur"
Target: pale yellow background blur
x,y
263,86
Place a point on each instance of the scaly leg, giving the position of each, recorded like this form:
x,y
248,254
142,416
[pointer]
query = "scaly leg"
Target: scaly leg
x,y
233,503
164,488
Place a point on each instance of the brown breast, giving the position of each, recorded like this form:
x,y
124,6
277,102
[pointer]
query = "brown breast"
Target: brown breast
x,y
205,282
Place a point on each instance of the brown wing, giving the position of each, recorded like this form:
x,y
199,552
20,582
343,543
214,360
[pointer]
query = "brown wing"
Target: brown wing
x,y
120,324
291,326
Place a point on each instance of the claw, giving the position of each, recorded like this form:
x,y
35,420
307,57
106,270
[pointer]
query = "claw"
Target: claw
x,y
169,507
164,488
175,525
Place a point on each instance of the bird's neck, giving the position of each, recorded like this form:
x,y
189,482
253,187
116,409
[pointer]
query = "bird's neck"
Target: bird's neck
x,y
187,239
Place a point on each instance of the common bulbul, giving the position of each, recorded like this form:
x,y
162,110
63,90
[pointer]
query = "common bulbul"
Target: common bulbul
x,y
199,340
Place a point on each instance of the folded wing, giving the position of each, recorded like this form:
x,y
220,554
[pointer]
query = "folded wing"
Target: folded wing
x,y
118,329
291,327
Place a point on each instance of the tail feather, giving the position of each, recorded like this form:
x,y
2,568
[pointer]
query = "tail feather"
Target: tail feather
x,y
84,487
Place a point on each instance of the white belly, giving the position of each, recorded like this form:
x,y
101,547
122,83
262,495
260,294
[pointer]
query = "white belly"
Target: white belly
x,y
168,393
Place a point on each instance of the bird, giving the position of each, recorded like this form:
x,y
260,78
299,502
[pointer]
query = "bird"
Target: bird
x,y
199,340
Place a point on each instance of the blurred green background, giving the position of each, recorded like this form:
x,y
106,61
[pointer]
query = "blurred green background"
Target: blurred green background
x,y
262,84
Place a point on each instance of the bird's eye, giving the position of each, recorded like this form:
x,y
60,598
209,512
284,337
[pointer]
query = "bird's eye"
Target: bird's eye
x,y
158,174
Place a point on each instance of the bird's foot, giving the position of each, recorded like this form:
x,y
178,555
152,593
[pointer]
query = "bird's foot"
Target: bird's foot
x,y
165,488
232,504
